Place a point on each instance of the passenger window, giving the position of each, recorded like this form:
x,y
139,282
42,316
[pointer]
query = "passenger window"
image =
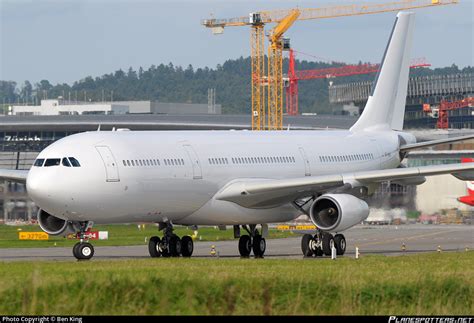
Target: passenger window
x,y
128,162
66,163
133,164
52,162
74,162
39,162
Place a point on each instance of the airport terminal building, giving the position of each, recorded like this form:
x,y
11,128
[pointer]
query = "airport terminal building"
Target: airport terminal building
x,y
23,137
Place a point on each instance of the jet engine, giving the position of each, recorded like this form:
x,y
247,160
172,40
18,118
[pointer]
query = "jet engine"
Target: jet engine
x,y
338,212
53,225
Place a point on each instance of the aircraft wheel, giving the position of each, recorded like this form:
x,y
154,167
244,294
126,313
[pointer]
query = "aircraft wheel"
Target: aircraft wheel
x,y
306,244
187,246
340,244
328,242
154,247
83,251
245,246
259,245
174,246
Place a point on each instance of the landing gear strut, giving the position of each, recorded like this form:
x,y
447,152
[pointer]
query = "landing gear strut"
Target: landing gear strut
x,y
83,250
322,243
170,245
254,241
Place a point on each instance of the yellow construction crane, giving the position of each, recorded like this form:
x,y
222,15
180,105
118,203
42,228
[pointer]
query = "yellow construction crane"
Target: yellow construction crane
x,y
268,114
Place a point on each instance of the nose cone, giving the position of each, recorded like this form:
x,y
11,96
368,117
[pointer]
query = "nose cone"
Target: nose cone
x,y
42,188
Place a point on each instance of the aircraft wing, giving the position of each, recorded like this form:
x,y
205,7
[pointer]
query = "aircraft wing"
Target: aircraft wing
x,y
261,193
430,143
13,175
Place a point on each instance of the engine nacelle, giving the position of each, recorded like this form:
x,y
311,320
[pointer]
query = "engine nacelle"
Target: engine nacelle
x,y
53,225
338,212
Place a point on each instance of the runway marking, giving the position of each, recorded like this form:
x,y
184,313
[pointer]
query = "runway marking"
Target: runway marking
x,y
405,238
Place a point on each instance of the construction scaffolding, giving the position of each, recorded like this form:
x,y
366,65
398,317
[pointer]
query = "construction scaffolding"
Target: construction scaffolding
x,y
434,86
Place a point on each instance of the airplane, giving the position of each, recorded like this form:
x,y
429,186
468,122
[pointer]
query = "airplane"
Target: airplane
x,y
242,179
468,199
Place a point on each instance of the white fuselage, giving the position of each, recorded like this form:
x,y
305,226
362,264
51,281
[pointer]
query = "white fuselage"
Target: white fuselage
x,y
176,174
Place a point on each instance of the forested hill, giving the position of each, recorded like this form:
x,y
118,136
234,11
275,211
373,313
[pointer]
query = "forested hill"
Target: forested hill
x,y
169,83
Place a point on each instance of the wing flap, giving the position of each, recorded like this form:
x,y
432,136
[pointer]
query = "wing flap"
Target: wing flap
x,y
266,193
14,175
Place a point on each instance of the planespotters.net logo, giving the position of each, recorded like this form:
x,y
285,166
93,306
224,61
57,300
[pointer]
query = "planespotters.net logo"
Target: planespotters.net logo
x,y
396,319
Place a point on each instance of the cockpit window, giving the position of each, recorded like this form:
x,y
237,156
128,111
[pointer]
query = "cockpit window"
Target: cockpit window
x,y
74,162
66,162
39,162
52,162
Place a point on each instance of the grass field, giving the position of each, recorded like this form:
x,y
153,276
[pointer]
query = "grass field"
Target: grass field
x,y
119,235
422,284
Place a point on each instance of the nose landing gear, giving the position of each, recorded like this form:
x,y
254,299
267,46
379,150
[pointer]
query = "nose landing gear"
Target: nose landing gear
x,y
83,250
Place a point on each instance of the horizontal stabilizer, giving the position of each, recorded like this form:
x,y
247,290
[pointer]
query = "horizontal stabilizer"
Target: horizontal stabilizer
x,y
434,143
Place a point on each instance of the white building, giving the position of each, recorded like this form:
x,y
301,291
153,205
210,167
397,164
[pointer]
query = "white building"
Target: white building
x,y
61,107
439,192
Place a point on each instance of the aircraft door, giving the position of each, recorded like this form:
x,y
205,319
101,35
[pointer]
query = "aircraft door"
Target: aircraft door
x,y
307,166
111,168
197,171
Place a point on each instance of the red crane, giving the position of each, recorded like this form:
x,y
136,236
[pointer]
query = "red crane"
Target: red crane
x,y
294,76
444,107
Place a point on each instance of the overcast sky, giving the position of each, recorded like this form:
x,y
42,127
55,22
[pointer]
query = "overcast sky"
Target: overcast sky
x,y
64,41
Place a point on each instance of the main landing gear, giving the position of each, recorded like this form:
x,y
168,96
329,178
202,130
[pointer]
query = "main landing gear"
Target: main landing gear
x,y
83,250
254,241
170,245
321,244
